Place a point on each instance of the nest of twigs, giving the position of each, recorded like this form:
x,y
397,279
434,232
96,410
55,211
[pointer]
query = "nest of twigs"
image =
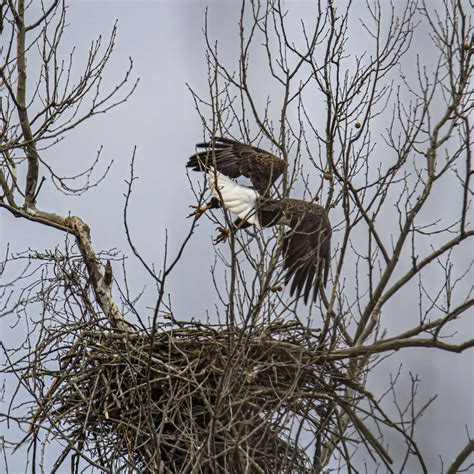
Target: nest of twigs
x,y
196,399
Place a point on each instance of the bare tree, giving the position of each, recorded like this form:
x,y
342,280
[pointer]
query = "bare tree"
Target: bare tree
x,y
270,385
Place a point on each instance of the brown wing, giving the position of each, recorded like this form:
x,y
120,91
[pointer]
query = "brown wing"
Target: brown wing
x,y
235,159
307,249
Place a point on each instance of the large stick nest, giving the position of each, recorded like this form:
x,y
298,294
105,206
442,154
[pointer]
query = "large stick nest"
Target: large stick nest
x,y
199,398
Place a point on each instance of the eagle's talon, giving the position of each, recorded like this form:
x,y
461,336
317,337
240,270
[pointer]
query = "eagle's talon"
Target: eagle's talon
x,y
200,210
222,236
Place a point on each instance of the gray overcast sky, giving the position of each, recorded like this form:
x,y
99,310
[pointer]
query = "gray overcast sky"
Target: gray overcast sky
x,y
166,43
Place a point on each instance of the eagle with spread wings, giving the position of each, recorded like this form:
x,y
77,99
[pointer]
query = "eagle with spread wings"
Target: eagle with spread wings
x,y
306,246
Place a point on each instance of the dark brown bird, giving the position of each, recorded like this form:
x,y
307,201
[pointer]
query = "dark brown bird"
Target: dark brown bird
x,y
306,247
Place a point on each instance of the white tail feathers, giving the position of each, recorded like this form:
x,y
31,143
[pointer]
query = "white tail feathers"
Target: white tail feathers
x,y
238,199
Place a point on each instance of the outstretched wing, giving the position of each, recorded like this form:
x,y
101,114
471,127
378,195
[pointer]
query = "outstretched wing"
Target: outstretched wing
x,y
234,159
307,249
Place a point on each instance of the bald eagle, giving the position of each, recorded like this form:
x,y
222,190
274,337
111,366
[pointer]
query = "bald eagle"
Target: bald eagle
x,y
306,244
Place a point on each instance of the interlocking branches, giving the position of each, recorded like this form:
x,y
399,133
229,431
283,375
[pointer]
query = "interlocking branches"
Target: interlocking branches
x,y
62,97
46,110
221,400
377,134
